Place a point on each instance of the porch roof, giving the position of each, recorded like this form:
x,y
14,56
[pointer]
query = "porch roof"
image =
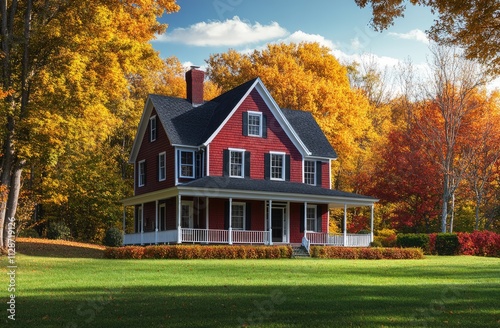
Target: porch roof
x,y
225,187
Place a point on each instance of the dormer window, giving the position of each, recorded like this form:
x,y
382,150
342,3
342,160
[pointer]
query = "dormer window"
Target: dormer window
x,y
186,167
152,129
254,124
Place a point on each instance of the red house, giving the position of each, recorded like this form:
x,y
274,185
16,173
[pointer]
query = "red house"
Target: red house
x,y
236,169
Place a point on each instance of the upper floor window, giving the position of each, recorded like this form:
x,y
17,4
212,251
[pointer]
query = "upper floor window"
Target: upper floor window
x,y
311,218
254,124
277,166
236,163
238,216
152,128
141,173
310,172
186,167
162,167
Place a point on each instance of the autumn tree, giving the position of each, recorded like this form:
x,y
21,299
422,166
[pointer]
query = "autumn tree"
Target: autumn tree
x,y
306,76
64,62
472,25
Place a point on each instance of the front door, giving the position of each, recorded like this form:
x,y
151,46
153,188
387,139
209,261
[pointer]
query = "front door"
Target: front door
x,y
277,224
187,214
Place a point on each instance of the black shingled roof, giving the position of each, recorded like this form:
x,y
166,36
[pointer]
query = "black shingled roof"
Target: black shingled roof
x,y
190,126
225,183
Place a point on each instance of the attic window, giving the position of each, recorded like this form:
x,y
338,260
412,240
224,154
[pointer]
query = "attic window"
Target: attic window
x,y
254,124
152,128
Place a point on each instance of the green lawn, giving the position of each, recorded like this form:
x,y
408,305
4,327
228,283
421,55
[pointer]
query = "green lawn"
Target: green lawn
x,y
86,292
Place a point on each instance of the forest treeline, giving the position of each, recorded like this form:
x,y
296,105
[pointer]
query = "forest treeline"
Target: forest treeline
x,y
75,75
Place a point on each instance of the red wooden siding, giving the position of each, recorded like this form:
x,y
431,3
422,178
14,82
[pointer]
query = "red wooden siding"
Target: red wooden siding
x,y
149,152
325,175
231,136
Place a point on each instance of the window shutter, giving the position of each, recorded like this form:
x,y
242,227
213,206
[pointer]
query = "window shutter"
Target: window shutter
x,y
247,164
318,174
264,126
145,173
287,167
319,221
248,216
245,124
267,166
225,162
302,208
226,215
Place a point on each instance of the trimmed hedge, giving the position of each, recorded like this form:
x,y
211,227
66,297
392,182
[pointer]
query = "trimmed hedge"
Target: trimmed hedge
x,y
198,252
447,244
420,240
113,237
332,252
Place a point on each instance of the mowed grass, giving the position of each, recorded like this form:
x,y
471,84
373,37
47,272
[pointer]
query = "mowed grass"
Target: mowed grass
x,y
92,292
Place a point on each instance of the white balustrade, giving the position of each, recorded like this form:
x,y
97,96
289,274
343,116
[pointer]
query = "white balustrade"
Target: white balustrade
x,y
352,240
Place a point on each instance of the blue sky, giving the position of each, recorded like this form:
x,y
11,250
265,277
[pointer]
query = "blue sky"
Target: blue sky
x,y
204,27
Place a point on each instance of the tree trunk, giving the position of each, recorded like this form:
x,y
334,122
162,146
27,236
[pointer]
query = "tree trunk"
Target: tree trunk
x,y
446,198
14,189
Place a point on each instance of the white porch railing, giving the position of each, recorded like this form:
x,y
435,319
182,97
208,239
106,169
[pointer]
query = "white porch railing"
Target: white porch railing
x,y
250,237
204,236
352,240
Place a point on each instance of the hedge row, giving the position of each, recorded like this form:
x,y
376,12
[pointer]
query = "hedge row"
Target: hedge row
x,y
479,243
198,252
332,252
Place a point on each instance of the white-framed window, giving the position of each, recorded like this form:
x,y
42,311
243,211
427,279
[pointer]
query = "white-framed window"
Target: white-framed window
x,y
162,166
277,162
310,172
311,218
152,128
236,163
255,124
141,175
238,216
186,164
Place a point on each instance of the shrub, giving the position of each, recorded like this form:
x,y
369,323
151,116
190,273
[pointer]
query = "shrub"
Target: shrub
x,y
432,243
387,237
481,243
420,240
29,233
447,244
113,237
332,252
375,243
198,252
58,230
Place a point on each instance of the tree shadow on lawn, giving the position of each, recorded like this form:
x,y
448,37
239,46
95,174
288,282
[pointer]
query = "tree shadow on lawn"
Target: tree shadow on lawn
x,y
473,305
57,250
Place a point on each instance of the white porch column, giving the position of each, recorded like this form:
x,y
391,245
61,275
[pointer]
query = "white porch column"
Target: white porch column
x,y
142,224
156,222
345,225
179,212
270,213
230,230
371,223
305,220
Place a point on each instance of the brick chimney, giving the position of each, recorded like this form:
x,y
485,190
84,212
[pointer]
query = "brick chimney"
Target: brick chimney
x,y
194,85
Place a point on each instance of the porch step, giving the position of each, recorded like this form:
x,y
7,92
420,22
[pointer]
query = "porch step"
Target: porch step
x,y
299,252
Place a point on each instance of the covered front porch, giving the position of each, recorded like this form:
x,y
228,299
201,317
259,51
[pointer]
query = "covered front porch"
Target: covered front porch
x,y
215,214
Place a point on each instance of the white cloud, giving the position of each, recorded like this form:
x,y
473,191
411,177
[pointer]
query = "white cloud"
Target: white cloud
x,y
231,32
299,36
416,34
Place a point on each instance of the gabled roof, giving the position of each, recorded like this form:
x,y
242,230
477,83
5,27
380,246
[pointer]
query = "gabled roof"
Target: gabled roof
x,y
195,126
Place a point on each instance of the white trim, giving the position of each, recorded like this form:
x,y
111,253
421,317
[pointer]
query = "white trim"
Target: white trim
x,y
315,218
275,110
179,167
139,184
283,167
207,173
190,204
261,117
244,215
242,152
153,119
164,154
304,171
